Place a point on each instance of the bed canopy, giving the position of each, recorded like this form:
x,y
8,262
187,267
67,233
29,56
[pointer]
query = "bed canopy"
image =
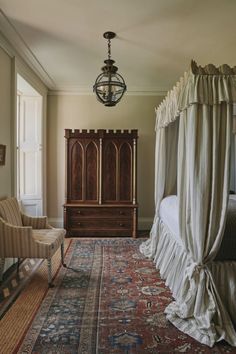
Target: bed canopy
x,y
193,144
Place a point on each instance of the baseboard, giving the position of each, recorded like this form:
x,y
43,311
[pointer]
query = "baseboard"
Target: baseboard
x,y
144,223
56,222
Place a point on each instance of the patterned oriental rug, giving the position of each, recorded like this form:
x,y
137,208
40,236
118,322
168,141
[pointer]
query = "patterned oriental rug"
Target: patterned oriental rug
x,y
109,299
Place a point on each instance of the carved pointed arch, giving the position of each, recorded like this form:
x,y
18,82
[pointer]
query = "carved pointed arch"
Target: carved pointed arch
x,y
77,166
125,175
91,173
110,155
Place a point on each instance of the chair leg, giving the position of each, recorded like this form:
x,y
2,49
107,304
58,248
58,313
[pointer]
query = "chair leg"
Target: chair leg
x,y
50,284
2,262
62,255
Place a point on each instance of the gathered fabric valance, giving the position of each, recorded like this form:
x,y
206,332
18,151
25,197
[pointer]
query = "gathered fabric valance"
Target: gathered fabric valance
x,y
208,85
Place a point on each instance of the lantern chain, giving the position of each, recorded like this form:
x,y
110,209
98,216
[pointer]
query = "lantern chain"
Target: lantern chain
x,y
109,48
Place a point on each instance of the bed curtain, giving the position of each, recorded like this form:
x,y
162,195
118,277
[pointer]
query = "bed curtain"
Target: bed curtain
x,y
193,140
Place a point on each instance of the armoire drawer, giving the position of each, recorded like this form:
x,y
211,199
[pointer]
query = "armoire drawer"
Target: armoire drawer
x,y
100,224
93,212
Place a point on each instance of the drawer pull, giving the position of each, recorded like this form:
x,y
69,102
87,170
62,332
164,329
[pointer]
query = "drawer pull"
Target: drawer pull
x,y
78,212
79,223
121,213
121,224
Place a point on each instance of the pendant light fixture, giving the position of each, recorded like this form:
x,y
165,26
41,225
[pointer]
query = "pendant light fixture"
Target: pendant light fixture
x,y
109,85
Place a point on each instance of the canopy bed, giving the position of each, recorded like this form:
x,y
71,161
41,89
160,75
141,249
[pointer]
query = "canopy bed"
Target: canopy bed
x,y
192,240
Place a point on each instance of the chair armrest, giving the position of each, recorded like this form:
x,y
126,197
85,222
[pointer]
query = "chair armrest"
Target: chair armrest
x,y
39,222
15,241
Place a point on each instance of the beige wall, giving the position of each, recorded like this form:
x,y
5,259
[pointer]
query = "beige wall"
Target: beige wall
x,y
6,173
84,112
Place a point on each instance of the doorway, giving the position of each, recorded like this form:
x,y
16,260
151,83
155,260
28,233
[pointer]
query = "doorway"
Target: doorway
x,y
29,157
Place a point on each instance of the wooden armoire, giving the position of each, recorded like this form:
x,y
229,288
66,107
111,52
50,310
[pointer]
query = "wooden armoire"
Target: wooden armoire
x,y
101,183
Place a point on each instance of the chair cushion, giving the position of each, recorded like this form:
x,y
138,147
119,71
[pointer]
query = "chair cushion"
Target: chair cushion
x,y
10,211
48,241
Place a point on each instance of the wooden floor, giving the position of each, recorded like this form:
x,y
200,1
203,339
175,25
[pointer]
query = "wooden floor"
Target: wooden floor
x,y
21,297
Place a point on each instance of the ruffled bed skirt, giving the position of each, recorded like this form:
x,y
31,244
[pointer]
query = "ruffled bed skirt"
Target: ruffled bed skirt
x,y
172,260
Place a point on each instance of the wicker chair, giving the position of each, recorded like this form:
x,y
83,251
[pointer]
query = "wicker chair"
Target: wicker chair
x,y
22,236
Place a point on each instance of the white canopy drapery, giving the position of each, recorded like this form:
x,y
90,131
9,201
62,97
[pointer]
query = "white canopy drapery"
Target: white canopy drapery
x,y
201,108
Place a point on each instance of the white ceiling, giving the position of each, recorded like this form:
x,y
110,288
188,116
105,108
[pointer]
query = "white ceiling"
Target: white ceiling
x,y
156,39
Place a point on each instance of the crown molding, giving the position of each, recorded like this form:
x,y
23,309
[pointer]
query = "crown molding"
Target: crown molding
x,y
30,77
15,46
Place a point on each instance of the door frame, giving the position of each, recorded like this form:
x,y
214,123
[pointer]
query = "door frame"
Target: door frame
x,y
28,75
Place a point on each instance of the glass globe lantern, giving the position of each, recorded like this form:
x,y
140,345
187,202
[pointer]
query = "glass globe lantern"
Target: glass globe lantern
x,y
109,86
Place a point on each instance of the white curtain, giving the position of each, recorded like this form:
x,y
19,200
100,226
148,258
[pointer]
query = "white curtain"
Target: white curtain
x,y
202,102
203,186
165,178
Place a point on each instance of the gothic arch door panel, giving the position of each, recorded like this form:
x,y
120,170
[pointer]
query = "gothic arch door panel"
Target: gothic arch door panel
x,y
76,163
91,173
125,173
110,155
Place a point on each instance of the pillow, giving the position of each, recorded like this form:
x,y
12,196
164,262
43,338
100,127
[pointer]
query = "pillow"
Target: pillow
x,y
10,211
